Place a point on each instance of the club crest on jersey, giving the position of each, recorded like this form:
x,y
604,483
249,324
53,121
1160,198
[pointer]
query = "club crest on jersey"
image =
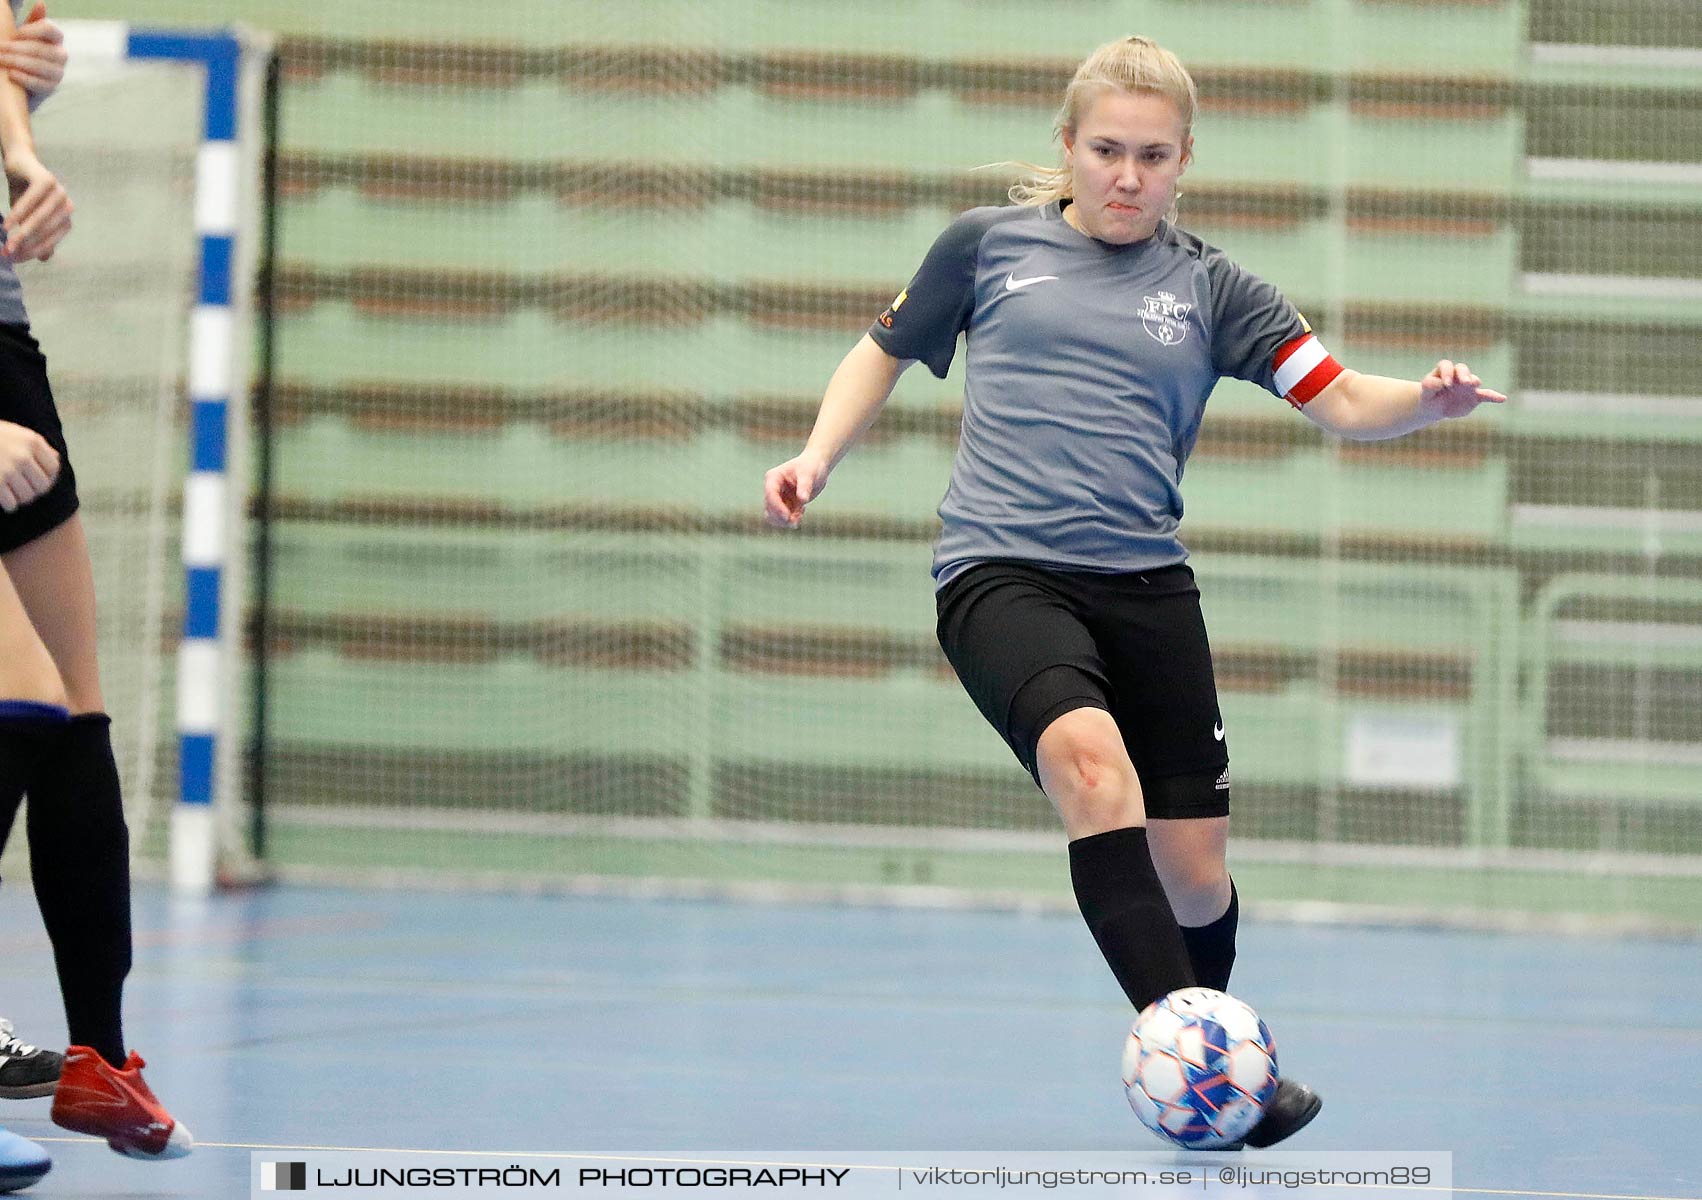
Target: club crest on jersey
x,y
1165,318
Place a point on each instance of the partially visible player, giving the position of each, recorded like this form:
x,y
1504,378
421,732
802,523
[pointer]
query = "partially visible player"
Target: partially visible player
x,y
55,741
35,61
1096,328
32,712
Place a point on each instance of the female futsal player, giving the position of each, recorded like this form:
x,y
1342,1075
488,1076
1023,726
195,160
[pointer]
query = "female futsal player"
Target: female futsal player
x,y
35,61
1095,331
54,735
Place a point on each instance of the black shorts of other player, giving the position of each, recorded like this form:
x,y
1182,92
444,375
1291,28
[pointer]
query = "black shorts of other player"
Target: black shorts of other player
x,y
27,399
1031,643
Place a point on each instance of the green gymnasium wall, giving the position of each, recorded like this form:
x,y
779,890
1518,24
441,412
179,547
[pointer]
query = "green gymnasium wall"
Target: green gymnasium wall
x,y
559,280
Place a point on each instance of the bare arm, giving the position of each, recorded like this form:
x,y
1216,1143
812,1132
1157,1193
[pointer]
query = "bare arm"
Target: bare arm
x,y
41,211
36,58
15,135
1367,408
28,465
854,396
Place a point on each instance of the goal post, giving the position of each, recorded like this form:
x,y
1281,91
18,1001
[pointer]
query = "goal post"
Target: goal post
x,y
207,395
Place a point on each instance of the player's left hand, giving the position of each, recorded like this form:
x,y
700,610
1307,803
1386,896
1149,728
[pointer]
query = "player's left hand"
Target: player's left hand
x,y
41,209
35,59
1455,390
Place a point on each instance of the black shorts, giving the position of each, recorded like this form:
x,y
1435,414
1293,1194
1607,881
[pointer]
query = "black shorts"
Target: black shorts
x,y
27,400
1031,643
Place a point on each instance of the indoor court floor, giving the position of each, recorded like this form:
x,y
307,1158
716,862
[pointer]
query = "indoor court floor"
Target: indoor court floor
x,y
310,1017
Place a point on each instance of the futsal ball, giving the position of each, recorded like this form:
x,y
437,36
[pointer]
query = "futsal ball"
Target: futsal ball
x,y
1199,1068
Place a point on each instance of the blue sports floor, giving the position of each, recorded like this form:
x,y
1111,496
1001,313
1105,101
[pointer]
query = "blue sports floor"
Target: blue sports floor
x,y
306,1017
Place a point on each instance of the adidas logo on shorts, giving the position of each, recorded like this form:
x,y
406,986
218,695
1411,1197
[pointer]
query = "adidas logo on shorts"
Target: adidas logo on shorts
x,y
1223,780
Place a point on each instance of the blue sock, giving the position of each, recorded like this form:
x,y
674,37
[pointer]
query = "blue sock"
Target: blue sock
x,y
33,710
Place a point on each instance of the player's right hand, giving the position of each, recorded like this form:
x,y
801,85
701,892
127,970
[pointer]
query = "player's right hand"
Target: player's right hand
x,y
35,59
28,466
790,486
41,209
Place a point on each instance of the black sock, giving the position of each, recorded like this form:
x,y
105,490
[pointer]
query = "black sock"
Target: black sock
x,y
25,731
1211,948
80,865
1124,905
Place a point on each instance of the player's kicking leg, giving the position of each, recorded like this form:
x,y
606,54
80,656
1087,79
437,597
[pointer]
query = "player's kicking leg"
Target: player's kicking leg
x,y
1085,769
1189,856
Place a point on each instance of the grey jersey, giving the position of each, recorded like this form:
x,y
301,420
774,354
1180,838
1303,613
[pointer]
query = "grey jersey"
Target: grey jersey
x,y
11,292
1087,374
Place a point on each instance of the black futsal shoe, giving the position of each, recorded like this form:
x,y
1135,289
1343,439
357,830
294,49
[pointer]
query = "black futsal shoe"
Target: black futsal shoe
x,y
1291,1108
26,1070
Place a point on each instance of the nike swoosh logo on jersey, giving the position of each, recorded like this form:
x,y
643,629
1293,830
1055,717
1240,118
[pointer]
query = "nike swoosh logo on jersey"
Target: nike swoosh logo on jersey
x,y
1012,283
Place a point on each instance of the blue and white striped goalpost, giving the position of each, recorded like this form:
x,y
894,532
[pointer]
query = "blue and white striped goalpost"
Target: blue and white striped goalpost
x,y
208,653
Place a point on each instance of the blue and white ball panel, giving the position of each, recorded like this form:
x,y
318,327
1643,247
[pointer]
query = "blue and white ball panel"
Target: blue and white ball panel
x,y
1198,1068
1251,1067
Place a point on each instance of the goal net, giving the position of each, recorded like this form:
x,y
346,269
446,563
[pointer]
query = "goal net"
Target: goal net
x,y
558,284
114,312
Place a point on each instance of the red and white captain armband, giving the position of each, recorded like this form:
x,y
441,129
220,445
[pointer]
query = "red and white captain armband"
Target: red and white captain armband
x,y
1303,369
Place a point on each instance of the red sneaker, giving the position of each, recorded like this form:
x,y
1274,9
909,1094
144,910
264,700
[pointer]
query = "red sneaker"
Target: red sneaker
x,y
97,1098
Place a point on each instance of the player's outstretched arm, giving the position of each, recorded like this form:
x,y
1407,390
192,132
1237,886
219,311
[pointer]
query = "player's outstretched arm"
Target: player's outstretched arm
x,y
41,210
855,394
1369,407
